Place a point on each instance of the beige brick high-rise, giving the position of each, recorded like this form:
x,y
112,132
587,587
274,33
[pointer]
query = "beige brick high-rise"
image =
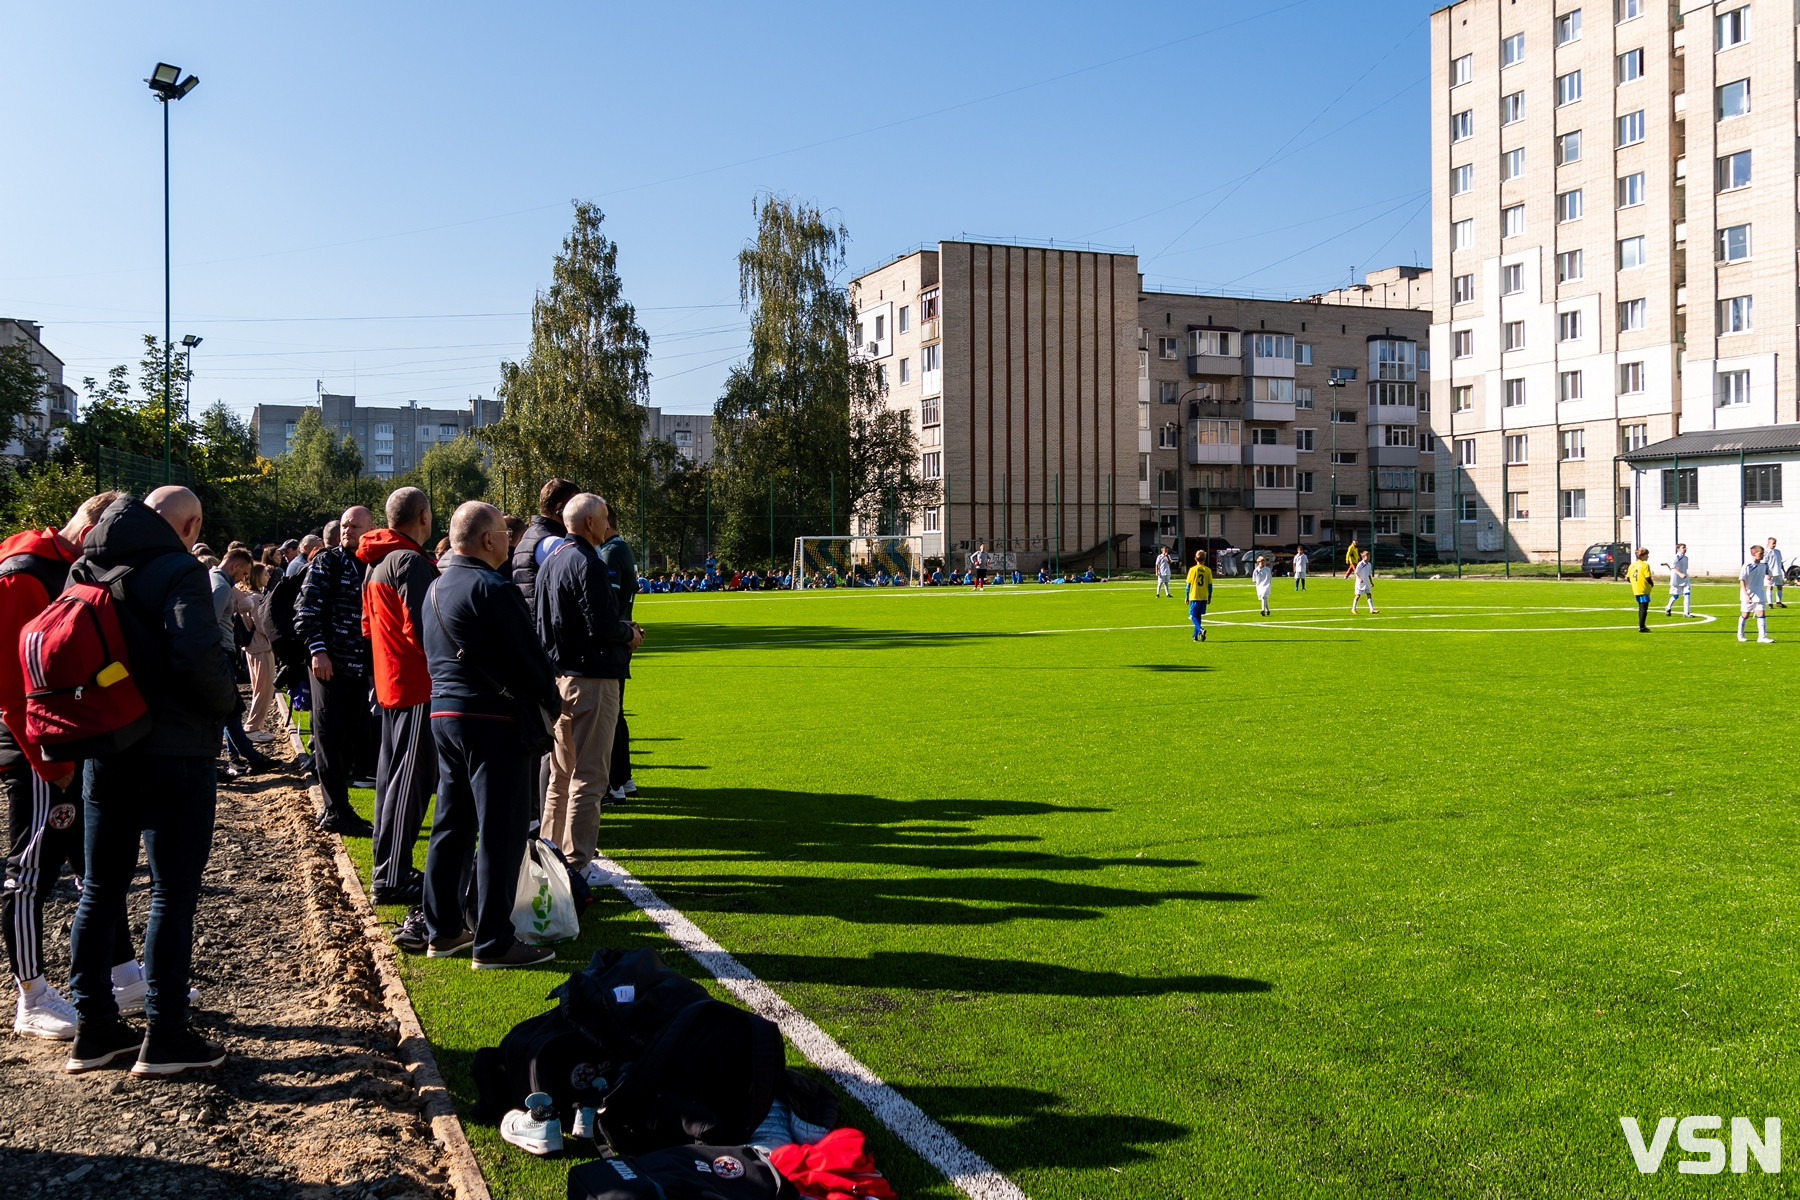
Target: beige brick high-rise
x,y
1614,232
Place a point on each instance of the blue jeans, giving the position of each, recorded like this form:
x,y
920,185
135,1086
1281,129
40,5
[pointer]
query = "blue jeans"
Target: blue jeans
x,y
168,804
1196,610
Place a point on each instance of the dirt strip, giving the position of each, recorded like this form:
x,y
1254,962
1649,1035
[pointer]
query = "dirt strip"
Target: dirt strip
x,y
317,1099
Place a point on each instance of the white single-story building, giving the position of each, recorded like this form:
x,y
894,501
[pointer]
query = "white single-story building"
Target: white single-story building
x,y
1718,490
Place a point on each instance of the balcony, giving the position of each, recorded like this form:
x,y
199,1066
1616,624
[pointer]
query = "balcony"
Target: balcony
x,y
1214,364
1214,452
1271,498
931,383
1204,498
932,330
1144,441
1267,456
1268,410
1268,368
1393,456
1680,105
1393,414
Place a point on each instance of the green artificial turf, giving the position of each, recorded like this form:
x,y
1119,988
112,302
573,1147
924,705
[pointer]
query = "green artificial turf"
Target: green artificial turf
x,y
1408,905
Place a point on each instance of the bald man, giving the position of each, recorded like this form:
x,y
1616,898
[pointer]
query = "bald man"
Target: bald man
x,y
486,664
329,619
159,791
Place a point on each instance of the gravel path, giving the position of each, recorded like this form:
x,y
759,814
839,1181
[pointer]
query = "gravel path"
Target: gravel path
x,y
313,1101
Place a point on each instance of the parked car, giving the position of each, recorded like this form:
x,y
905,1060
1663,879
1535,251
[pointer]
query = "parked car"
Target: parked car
x,y
1606,558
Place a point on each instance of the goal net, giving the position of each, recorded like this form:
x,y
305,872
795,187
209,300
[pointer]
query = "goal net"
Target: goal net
x,y
900,561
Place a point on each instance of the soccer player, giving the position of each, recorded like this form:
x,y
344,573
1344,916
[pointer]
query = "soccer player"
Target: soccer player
x,y
1351,557
1199,593
1679,584
1163,567
1641,580
1300,565
978,567
1364,574
1777,573
1753,579
1264,579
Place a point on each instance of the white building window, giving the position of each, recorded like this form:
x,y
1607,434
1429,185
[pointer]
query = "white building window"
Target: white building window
x,y
905,318
1568,386
1631,128
1518,505
1168,348
1733,99
1568,266
1574,504
1512,164
1568,326
1631,378
1303,440
1512,279
1731,28
1631,10
1631,66
1574,445
1734,243
1512,50
906,370
1462,343
1303,353
1568,206
1512,108
1734,170
1633,315
934,464
1568,148
1462,289
1465,452
1462,179
1633,437
1462,70
1518,449
1303,397
1514,392
1568,27
1734,315
1568,88
932,520
1734,388
1462,125
1512,221
1631,190
1462,398
1514,332
1631,253
1462,234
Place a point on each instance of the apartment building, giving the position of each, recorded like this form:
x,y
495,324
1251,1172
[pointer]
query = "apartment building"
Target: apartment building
x,y
1072,416
392,438
57,405
1614,198
690,433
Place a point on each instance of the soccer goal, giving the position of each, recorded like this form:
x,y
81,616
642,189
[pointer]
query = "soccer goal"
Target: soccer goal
x,y
859,560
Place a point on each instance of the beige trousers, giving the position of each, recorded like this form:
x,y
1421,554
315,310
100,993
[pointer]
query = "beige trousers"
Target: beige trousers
x,y
262,689
580,763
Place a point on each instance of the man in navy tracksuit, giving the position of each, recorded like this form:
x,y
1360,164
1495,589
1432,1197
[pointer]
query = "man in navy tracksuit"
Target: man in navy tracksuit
x,y
328,617
486,665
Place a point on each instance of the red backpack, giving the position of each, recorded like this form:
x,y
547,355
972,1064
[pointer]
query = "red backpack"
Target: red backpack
x,y
80,699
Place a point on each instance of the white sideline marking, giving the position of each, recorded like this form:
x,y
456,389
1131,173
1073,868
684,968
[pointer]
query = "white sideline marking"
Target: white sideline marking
x,y
973,1175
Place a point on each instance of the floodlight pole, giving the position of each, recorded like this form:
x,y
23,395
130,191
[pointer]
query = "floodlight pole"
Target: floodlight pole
x,y
168,316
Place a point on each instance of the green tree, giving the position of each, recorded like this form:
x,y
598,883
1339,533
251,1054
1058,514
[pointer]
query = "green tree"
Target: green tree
x,y
450,473
318,476
574,402
46,494
114,417
22,384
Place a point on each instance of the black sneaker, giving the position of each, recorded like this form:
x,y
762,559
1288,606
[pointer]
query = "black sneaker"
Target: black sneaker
x,y
411,934
451,945
99,1043
517,955
174,1052
347,824
408,893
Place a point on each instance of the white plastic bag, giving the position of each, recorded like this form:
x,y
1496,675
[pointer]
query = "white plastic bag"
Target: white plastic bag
x,y
544,906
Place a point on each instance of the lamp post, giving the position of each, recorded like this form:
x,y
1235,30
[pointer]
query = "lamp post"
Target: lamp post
x,y
168,85
188,342
1337,383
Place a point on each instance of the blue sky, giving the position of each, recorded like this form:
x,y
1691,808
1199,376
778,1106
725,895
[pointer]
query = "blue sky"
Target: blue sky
x,y
368,195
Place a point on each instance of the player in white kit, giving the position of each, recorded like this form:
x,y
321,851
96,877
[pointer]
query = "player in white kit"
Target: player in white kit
x,y
1264,579
1300,565
1679,583
1752,588
1163,565
1364,574
1777,573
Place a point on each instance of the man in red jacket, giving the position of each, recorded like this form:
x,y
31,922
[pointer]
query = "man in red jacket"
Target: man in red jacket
x,y
43,798
397,576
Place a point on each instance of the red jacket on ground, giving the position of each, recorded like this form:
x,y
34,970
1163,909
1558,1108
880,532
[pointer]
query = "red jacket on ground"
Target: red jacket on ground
x,y
837,1167
393,591
23,595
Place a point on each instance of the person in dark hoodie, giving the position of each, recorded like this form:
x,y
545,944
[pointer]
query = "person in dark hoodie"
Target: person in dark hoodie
x,y
486,667
328,617
161,791
542,535
406,768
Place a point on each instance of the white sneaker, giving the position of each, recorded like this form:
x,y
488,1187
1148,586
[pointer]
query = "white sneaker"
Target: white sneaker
x,y
1766,639
46,1015
1742,638
262,737
539,1134
596,876
130,998
616,795
629,787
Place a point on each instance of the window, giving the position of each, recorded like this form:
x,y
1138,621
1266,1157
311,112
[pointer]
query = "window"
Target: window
x,y
1624,502
1734,243
1631,10
1462,398
1168,481
1462,179
1169,437
1568,148
1574,504
1733,388
1631,377
1267,524
1218,433
1568,326
1512,108
1734,315
1568,206
928,411
1272,345
1303,482
1731,29
1168,392
881,375
906,370
931,361
1387,523
1462,70
1514,391
1393,395
1514,335
1734,171
931,519
1462,234
1512,50
1303,440
934,464
1303,397
1631,253
1568,386
1631,190
684,439
1762,484
1568,266
1302,354
1733,99
905,318
1631,66
1568,27
1465,452
1462,125
1518,449
1631,128
1518,505
928,306
1428,524
1343,458
1342,416
1633,315
1428,482
1168,348
1680,487
1633,437
1512,164
1512,221
1400,436
1306,525
1568,88
1466,507
1512,279
1462,343
1574,445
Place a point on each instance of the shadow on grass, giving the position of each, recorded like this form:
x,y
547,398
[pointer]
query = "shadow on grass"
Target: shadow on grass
x,y
675,639
912,970
1184,668
1037,1133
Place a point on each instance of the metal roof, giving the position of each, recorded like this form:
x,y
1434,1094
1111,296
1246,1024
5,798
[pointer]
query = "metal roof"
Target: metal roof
x,y
1721,443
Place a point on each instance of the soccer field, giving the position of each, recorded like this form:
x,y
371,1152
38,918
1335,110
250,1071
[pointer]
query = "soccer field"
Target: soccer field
x,y
1410,905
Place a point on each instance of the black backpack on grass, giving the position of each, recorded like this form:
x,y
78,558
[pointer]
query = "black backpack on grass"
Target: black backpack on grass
x,y
682,1173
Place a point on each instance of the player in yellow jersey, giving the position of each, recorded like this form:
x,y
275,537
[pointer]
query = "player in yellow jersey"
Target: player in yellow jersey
x,y
1199,593
1641,581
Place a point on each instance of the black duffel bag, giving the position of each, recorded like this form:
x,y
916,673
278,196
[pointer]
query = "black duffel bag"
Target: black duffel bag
x,y
682,1173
